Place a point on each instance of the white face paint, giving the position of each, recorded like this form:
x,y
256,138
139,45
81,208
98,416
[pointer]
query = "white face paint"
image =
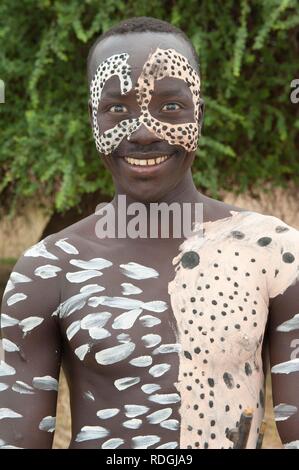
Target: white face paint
x,y
160,64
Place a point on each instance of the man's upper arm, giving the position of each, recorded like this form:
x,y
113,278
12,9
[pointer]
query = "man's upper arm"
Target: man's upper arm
x,y
31,350
284,359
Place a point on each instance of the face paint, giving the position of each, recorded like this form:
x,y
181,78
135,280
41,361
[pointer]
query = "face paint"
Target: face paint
x,y
160,64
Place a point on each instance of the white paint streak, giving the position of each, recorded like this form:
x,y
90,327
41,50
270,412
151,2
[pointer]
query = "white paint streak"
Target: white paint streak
x,y
143,442
292,445
23,388
47,424
66,247
107,413
168,348
142,361
148,321
289,325
45,383
81,351
47,271
3,386
73,329
126,320
89,396
165,399
39,250
151,340
9,346
132,423
150,388
95,263
130,289
6,321
131,411
126,382
30,323
98,333
138,271
6,369
8,413
158,416
286,367
89,433
95,320
81,276
168,445
123,338
112,443
115,354
283,411
171,424
13,299
159,369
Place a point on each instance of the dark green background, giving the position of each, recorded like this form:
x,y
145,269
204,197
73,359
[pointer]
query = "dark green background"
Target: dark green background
x,y
249,54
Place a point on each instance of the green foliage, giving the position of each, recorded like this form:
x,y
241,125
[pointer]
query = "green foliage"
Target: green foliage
x,y
249,55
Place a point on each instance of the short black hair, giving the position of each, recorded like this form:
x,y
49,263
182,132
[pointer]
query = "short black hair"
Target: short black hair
x,y
139,24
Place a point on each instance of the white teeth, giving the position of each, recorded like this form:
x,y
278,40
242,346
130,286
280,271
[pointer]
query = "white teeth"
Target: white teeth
x,y
149,162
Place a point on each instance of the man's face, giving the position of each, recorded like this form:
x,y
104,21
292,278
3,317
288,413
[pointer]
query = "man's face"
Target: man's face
x,y
145,111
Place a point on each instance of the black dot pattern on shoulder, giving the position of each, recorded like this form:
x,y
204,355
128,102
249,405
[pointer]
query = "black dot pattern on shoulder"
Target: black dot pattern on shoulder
x,y
241,261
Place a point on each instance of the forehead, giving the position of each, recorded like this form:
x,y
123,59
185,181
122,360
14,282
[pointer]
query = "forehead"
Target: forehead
x,y
138,46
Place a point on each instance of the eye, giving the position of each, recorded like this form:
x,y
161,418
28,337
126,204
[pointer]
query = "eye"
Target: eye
x,y
118,108
171,107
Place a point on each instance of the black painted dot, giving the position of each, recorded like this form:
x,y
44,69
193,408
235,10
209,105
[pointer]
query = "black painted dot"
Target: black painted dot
x,y
190,259
211,382
195,407
288,257
213,422
226,407
281,229
197,350
213,435
264,241
262,398
228,380
211,404
248,370
189,427
237,234
206,445
192,299
187,355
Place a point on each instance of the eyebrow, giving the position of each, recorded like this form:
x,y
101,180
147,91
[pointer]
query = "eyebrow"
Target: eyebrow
x,y
168,92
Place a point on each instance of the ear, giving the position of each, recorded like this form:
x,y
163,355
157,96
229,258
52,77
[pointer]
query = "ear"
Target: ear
x,y
201,114
90,113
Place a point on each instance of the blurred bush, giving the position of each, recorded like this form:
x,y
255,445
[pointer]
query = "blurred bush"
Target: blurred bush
x,y
249,55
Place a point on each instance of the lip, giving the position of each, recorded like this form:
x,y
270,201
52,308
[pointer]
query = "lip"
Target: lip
x,y
146,169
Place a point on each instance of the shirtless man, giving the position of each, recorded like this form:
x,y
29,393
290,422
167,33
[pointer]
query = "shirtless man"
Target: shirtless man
x,y
162,344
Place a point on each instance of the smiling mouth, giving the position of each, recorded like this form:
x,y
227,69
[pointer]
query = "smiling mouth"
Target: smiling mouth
x,y
148,161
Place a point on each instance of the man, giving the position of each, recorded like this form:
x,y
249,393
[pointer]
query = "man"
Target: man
x,y
162,345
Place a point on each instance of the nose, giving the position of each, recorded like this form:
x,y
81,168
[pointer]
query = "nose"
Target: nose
x,y
143,136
